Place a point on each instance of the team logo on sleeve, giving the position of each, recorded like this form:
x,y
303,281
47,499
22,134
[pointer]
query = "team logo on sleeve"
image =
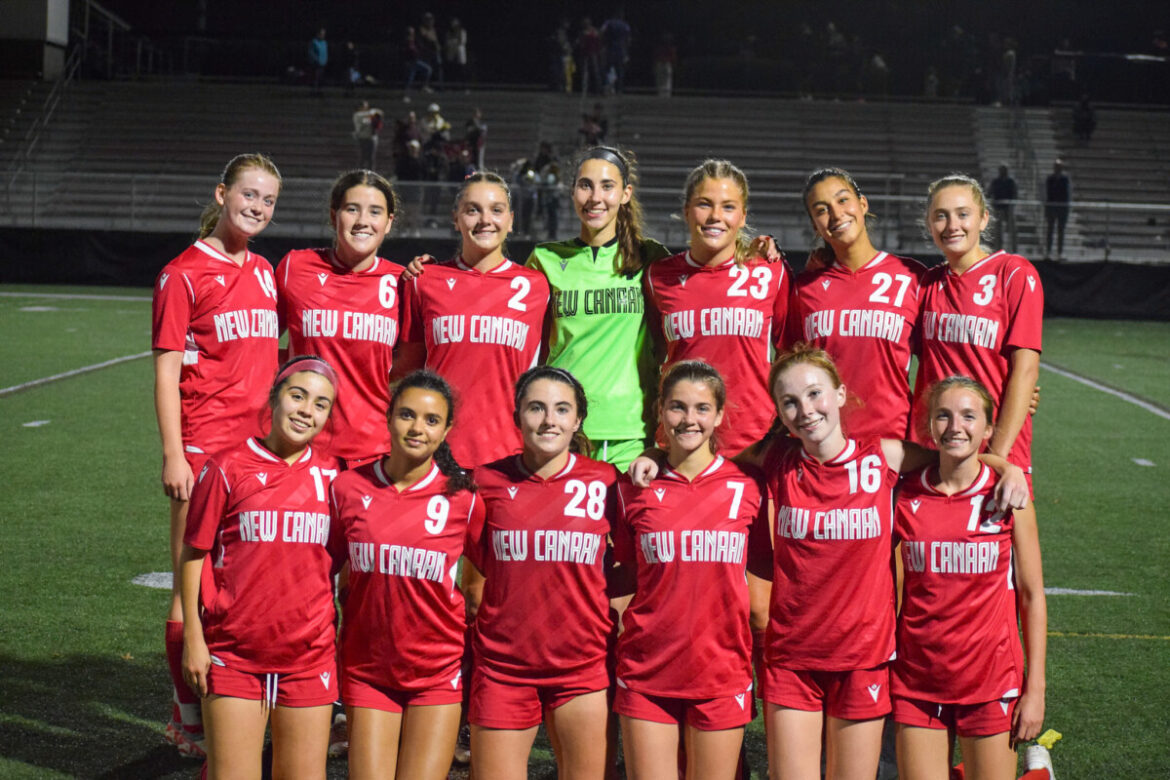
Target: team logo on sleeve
x,y
206,466
512,492
263,477
162,280
660,492
366,501
323,277
219,278
1032,283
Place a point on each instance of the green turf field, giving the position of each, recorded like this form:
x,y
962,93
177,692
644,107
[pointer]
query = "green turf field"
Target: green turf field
x,y
83,686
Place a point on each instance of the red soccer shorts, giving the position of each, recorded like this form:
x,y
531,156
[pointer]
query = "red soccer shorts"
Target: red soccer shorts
x,y
718,714
502,705
311,688
856,694
358,693
968,720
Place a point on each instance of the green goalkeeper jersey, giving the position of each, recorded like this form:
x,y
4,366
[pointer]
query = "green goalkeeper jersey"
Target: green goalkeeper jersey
x,y
598,332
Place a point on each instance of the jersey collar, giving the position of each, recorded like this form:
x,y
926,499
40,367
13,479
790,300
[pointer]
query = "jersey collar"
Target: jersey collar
x,y
976,487
264,452
845,454
712,467
572,461
341,268
693,263
214,253
997,253
462,266
431,476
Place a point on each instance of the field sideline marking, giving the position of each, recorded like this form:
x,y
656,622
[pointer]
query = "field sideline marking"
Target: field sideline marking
x,y
77,296
1080,634
1149,407
74,372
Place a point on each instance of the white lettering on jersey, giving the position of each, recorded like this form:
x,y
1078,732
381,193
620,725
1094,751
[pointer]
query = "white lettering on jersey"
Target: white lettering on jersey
x,y
657,546
566,547
679,325
401,561
365,326
319,323
791,522
713,546
819,324
872,323
361,556
964,557
447,329
257,526
505,331
961,329
306,527
847,524
510,545
246,323
915,555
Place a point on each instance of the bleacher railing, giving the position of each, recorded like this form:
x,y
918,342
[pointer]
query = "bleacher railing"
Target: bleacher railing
x,y
1109,230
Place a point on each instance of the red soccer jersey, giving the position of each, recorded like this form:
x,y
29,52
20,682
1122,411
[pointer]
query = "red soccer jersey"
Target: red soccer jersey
x,y
832,582
403,619
686,632
222,317
866,321
732,317
267,597
971,324
482,331
958,641
542,545
350,319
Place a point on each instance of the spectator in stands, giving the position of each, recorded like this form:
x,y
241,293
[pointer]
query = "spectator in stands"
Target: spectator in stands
x,y
436,130
367,123
318,59
930,83
1057,203
615,35
665,57
475,137
408,171
1084,119
405,131
350,67
455,51
1003,193
594,127
560,59
416,66
589,54
428,46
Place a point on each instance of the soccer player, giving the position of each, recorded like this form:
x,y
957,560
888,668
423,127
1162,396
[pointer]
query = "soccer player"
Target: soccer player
x,y
719,303
684,655
401,523
214,336
596,324
542,629
342,303
960,666
258,637
477,321
831,632
860,306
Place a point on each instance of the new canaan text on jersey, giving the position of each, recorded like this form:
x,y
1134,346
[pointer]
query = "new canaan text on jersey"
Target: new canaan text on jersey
x,y
720,321
550,546
399,561
953,557
612,300
864,323
829,525
696,546
482,329
355,325
961,329
304,527
245,324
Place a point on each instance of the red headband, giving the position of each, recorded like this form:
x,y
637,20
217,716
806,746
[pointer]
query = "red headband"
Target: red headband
x,y
315,365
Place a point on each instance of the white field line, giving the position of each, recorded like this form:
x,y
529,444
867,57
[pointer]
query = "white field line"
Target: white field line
x,y
74,372
1075,592
1149,407
76,297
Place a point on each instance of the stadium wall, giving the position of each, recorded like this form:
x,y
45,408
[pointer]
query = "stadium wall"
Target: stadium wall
x,y
1101,290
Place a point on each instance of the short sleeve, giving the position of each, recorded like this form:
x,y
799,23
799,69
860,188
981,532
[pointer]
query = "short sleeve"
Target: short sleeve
x,y
759,560
171,311
209,500
411,308
282,272
473,547
781,305
336,543
622,534
1025,308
